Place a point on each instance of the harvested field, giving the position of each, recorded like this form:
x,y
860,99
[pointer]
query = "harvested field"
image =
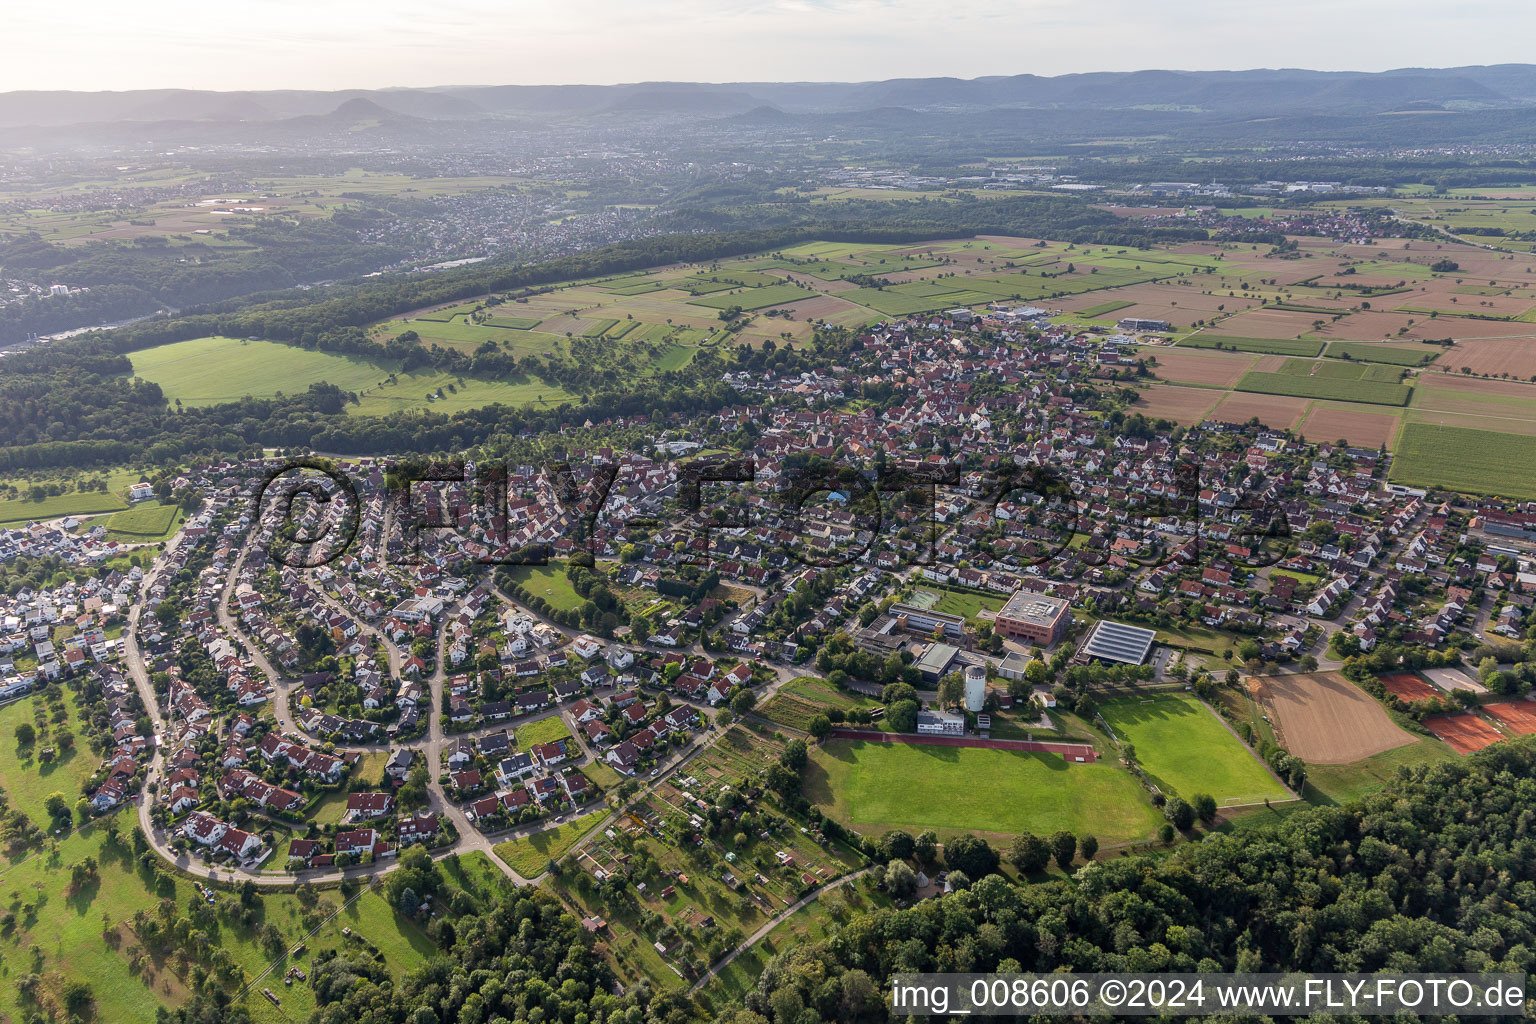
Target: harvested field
x,y
1323,718
1278,412
1514,356
1184,406
1465,732
1366,429
1516,716
1267,323
1445,392
1408,687
1198,366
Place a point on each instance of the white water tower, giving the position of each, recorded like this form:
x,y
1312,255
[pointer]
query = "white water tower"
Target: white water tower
x,y
975,687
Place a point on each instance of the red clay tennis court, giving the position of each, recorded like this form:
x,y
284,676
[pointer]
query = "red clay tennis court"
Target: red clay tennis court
x,y
1516,716
1463,733
1408,687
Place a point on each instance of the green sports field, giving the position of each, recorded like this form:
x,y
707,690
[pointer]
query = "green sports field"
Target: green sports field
x,y
1185,749
875,786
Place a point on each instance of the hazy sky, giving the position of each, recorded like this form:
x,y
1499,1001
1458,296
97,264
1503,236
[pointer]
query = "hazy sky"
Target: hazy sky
x,y
332,44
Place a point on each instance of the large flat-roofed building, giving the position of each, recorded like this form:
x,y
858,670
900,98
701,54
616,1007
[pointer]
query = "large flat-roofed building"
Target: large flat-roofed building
x,y
1136,323
936,660
1118,642
922,620
1037,618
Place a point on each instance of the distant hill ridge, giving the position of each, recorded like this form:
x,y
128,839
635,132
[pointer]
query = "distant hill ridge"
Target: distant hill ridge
x,y
1237,93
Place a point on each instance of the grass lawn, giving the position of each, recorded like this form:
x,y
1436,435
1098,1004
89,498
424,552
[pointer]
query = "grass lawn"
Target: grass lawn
x,y
545,730
967,606
143,524
877,786
530,855
1185,749
1341,783
549,582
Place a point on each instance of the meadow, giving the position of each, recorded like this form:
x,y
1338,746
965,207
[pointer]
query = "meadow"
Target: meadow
x,y
550,583
1185,749
877,786
207,371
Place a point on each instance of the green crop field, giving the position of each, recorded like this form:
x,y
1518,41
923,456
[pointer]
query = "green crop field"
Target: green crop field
x,y
1475,461
1273,346
1381,353
515,323
545,730
892,302
1104,307
1371,392
1185,749
598,328
1341,370
874,786
757,298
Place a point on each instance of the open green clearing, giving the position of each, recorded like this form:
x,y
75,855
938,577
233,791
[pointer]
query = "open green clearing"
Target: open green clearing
x,y
1341,783
207,371
1273,346
548,582
875,786
530,855
545,730
1475,461
1341,389
1185,749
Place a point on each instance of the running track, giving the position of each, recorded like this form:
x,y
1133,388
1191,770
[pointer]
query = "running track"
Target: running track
x,y
1069,751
